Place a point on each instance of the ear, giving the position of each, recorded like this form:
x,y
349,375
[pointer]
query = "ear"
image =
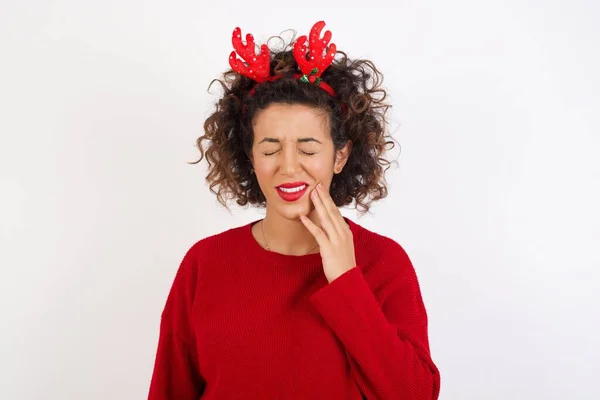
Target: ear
x,y
341,157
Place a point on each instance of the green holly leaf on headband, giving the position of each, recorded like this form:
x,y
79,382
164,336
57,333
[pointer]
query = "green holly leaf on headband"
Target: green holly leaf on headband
x,y
312,77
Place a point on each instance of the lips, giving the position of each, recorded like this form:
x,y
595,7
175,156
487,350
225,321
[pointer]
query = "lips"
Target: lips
x,y
292,195
290,185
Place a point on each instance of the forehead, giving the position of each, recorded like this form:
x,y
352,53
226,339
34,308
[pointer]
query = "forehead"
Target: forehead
x,y
287,121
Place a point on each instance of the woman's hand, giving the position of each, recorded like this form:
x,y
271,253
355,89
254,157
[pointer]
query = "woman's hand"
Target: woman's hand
x,y
334,237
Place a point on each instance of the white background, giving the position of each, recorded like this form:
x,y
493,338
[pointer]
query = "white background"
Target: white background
x,y
495,196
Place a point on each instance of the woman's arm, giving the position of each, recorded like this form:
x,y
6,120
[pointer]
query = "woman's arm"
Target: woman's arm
x,y
176,375
387,345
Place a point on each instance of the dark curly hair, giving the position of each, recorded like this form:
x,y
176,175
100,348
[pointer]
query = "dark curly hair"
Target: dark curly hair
x,y
361,119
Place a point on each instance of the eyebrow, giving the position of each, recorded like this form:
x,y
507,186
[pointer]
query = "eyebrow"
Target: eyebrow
x,y
300,140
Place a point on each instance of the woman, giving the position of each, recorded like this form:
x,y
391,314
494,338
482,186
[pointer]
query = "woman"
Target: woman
x,y
304,303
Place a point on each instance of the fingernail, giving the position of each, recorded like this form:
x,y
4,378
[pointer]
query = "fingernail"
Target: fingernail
x,y
320,186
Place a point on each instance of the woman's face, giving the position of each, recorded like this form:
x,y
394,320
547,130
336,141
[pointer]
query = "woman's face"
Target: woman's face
x,y
293,145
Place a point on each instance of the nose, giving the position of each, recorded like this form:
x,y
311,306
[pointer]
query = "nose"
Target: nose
x,y
290,164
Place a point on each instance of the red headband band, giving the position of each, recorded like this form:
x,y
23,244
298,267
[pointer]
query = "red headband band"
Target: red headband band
x,y
257,66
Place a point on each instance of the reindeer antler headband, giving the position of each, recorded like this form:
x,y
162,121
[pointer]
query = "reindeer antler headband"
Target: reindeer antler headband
x,y
312,62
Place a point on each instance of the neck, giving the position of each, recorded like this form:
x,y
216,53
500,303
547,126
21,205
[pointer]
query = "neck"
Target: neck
x,y
288,236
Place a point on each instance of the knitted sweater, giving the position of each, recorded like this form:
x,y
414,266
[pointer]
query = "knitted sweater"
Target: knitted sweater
x,y
242,322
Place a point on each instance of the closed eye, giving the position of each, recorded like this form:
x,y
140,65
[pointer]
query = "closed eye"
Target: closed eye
x,y
303,152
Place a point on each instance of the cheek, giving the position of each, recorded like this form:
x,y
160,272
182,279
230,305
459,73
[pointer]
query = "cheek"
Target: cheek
x,y
319,166
264,169
266,174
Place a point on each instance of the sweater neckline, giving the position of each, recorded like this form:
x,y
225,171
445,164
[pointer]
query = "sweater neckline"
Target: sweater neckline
x,y
257,250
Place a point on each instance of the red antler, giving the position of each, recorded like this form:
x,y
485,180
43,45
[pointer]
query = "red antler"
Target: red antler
x,y
317,46
258,67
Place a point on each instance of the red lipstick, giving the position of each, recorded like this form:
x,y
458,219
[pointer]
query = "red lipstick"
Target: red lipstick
x,y
292,191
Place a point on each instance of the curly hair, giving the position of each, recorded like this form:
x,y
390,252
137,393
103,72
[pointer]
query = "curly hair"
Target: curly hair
x,y
357,113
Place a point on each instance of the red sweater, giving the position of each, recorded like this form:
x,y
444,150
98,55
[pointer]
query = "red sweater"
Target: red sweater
x,y
242,322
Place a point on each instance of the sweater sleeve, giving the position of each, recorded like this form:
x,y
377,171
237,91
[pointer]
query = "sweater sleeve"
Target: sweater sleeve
x,y
387,345
176,375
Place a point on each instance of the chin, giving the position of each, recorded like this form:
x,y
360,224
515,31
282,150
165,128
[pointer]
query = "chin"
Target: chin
x,y
292,211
